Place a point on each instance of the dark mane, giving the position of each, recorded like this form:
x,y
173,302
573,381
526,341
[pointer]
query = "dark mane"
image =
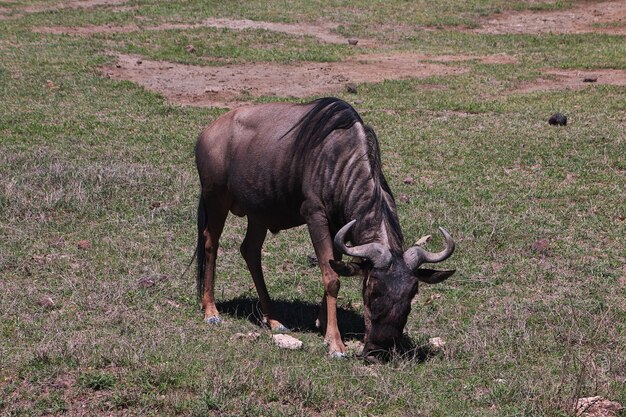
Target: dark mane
x,y
384,201
329,114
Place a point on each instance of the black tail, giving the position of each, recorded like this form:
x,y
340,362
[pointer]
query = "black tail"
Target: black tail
x,y
200,254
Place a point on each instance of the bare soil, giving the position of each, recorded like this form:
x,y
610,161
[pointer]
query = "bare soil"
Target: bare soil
x,y
604,17
232,85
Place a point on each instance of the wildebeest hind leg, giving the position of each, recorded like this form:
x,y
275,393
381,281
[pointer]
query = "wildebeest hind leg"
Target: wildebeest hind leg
x,y
213,215
251,252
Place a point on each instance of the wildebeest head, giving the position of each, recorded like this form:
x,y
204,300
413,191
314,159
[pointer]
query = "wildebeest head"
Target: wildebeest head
x,y
390,283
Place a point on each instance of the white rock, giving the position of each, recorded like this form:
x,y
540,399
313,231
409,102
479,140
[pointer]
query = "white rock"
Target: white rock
x,y
436,342
285,341
597,407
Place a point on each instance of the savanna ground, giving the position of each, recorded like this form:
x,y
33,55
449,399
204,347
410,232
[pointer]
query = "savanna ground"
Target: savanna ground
x,y
98,196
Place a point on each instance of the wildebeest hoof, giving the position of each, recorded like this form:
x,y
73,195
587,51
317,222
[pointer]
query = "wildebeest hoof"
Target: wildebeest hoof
x,y
338,355
213,320
281,329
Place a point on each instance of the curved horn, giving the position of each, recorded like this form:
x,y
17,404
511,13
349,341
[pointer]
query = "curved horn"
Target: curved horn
x,y
417,255
378,254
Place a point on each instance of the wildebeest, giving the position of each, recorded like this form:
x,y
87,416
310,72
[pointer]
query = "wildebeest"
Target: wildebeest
x,y
283,165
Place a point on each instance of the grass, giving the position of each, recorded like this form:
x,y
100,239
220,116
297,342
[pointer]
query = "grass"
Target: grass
x,y
88,158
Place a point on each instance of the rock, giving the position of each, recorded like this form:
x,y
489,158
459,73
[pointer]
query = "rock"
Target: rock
x,y
436,343
46,302
597,407
590,79
84,244
351,88
408,180
558,119
423,240
190,48
312,260
285,341
353,42
405,198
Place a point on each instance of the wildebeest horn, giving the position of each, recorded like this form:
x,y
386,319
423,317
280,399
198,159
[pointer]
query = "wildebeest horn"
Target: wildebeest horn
x,y
378,254
417,255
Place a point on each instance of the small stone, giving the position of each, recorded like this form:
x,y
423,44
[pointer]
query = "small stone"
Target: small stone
x,y
46,301
353,42
405,198
285,341
597,407
312,260
408,180
590,79
84,244
139,62
423,240
190,48
351,88
558,119
436,343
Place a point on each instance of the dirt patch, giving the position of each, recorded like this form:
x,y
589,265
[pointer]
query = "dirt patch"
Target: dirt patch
x,y
572,80
232,85
323,32
605,17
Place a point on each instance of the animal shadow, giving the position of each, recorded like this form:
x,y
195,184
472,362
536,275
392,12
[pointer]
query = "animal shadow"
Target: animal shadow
x,y
300,317
297,315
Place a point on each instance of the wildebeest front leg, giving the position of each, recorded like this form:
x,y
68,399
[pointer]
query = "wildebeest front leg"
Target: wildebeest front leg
x,y
251,252
320,236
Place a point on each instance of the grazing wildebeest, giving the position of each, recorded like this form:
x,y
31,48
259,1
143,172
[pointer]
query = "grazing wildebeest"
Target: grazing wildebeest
x,y
283,165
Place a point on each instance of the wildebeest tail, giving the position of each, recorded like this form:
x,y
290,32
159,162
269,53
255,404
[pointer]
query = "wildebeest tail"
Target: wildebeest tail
x,y
200,253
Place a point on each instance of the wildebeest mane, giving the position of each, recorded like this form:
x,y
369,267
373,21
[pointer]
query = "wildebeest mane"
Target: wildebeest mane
x,y
385,201
329,114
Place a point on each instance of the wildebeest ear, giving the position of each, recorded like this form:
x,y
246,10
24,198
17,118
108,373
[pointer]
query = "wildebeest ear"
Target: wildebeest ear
x,y
432,276
345,269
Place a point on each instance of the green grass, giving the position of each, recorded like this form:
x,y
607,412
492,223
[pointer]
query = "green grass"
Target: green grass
x,y
89,158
